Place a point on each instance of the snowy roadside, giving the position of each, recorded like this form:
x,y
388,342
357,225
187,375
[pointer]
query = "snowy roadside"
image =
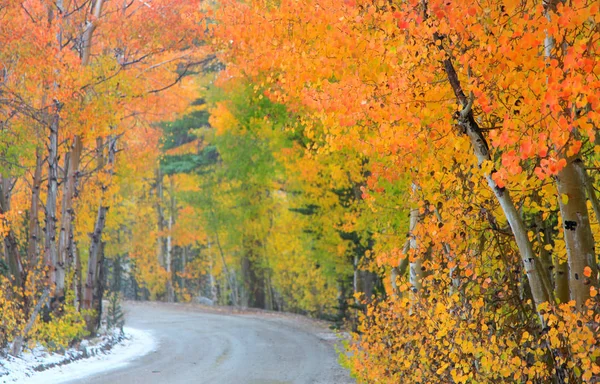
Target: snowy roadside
x,y
40,367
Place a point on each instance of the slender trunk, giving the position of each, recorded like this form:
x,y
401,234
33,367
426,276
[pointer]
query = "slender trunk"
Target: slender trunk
x,y
400,270
231,279
34,224
89,32
17,346
169,261
78,280
99,285
540,286
454,278
93,271
160,244
213,285
11,248
50,243
416,265
183,266
269,302
65,239
92,295
578,236
355,279
543,238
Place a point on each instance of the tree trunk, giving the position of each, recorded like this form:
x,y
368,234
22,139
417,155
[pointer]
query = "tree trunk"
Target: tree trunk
x,y
213,285
578,236
50,243
416,265
169,253
34,224
229,275
540,285
589,188
78,281
89,32
92,295
65,239
400,270
17,346
93,272
160,243
11,248
183,266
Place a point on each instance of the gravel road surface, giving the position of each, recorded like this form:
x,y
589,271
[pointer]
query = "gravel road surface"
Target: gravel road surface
x,y
202,345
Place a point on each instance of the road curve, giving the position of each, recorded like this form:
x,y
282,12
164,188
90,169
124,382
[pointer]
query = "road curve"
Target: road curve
x,y
200,346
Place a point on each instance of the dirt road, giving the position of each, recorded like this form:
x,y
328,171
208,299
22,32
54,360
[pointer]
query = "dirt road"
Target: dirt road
x,y
205,346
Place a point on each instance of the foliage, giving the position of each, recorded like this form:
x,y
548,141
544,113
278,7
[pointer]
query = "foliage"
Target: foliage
x,y
11,316
477,121
85,83
65,325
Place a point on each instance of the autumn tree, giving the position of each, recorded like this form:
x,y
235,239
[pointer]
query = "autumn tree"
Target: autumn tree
x,y
487,112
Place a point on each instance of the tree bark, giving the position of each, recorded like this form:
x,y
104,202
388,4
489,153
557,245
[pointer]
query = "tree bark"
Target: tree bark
x,y
34,224
213,285
416,265
92,296
400,270
183,267
160,241
231,279
589,188
11,247
578,236
88,34
65,238
540,286
93,271
50,243
169,253
17,346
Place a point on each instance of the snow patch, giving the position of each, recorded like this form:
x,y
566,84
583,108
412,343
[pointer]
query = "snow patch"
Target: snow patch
x,y
22,370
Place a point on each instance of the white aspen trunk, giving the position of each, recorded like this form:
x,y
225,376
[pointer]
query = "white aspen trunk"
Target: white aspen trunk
x,y
160,243
183,267
400,270
11,248
416,265
168,262
34,225
93,269
454,278
89,32
571,186
50,243
211,276
540,286
65,239
578,236
92,296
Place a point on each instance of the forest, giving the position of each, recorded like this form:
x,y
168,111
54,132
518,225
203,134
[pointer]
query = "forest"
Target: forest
x,y
422,173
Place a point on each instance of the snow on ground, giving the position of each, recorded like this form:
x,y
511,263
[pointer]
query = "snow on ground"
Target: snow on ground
x,y
21,370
